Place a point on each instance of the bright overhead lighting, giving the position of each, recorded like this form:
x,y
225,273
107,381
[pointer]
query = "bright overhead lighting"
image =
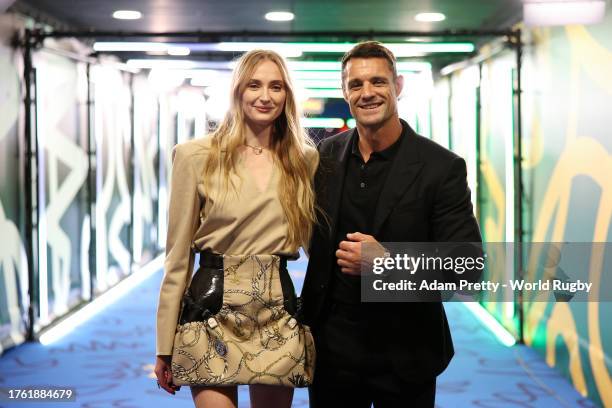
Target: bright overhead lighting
x,y
148,47
429,17
130,46
413,66
158,63
550,13
279,16
323,93
323,123
314,65
163,79
286,50
127,15
330,68
321,83
417,49
399,49
178,64
331,79
295,46
178,51
290,50
315,75
205,77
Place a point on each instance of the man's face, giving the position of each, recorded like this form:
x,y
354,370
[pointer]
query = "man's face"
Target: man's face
x,y
371,91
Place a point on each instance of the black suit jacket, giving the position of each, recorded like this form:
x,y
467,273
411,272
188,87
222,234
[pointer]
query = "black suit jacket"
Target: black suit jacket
x,y
425,199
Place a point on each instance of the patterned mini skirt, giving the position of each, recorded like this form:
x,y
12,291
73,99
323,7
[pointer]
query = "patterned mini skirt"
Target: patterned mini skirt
x,y
239,324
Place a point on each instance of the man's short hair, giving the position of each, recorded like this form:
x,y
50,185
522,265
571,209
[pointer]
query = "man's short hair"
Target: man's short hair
x,y
369,49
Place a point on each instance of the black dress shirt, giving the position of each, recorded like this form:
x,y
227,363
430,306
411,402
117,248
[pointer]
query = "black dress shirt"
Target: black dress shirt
x,y
362,187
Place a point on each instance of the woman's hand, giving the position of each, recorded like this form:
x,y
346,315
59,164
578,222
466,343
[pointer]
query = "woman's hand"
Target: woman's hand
x,y
164,374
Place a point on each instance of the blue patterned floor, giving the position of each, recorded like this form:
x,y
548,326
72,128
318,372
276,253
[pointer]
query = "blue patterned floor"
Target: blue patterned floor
x,y
109,361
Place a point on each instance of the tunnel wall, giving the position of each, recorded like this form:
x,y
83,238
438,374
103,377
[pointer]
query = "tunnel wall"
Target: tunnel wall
x,y
566,168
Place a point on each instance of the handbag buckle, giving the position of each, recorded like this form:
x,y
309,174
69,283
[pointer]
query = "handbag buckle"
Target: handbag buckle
x,y
212,322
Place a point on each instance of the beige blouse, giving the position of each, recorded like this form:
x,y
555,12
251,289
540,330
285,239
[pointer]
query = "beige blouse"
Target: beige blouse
x,y
241,222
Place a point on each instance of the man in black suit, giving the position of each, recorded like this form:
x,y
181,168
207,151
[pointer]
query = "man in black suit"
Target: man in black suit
x,y
380,182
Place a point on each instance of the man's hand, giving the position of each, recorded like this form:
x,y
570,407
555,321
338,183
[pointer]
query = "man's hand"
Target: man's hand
x,y
349,253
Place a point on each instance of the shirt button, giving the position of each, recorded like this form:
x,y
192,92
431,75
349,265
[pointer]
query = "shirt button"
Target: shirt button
x,y
362,166
362,185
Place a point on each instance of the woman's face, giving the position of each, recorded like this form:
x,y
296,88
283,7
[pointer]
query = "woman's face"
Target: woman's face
x,y
264,97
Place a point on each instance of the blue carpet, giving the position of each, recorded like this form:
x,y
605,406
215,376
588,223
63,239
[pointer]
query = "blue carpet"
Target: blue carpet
x,y
109,361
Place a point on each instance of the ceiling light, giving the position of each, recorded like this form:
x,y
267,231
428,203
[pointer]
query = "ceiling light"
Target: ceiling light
x,y
413,66
323,93
323,123
155,63
179,64
335,66
130,46
286,50
178,51
327,79
318,75
279,16
292,50
127,15
419,49
301,47
550,13
314,65
320,83
429,17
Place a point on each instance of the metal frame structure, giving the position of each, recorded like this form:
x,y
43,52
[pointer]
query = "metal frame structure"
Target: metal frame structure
x,y
202,36
34,38
519,232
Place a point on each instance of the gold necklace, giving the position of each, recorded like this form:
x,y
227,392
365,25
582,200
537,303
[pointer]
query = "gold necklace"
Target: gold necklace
x,y
256,149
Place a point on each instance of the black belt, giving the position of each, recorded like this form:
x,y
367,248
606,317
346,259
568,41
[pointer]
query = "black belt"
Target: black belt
x,y
215,261
209,260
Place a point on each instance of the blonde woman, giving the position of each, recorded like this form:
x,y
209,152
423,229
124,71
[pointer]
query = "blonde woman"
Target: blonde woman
x,y
242,198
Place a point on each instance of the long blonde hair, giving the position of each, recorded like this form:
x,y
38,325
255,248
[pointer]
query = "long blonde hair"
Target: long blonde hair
x,y
289,144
